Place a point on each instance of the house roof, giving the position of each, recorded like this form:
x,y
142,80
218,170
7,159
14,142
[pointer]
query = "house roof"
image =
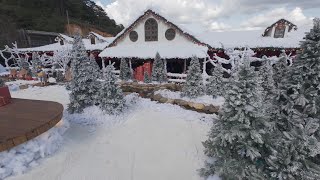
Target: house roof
x,y
149,50
253,39
291,25
148,12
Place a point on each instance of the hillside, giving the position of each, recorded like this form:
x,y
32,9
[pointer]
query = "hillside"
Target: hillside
x,y
50,15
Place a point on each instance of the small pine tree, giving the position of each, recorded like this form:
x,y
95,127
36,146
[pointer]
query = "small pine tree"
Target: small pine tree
x,y
194,84
146,77
296,141
84,86
215,86
236,140
111,98
36,62
60,76
125,72
159,73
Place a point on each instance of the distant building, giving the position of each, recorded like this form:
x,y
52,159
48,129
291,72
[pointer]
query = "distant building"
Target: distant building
x,y
279,29
31,38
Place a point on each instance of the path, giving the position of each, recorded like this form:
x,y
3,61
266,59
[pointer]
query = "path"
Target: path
x,y
149,145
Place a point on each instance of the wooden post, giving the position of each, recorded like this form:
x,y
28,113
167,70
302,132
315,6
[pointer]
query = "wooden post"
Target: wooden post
x,y
184,66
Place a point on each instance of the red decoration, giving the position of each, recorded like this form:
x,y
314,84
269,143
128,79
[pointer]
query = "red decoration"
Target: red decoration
x,y
5,96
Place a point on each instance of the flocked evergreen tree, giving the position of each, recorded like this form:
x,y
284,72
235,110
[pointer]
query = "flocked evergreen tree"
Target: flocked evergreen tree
x,y
84,86
215,86
125,72
111,97
280,69
296,142
236,144
59,76
159,73
146,77
36,63
194,84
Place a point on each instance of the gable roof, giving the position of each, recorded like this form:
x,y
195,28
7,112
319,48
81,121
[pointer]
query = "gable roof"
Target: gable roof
x,y
148,12
291,25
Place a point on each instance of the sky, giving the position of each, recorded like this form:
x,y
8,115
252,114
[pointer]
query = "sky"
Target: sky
x,y
216,15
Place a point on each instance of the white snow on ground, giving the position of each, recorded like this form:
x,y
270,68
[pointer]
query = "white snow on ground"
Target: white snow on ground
x,y
14,85
150,141
27,155
206,99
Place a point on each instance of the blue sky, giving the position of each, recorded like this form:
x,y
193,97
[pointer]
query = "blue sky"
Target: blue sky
x,y
216,15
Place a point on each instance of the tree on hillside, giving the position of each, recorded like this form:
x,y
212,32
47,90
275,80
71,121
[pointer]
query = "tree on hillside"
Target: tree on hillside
x,y
296,141
111,98
125,72
84,85
194,84
236,143
159,73
216,84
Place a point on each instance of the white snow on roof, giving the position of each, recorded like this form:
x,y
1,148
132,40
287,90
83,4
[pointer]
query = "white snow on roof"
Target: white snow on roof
x,y
57,46
149,50
100,37
253,39
67,38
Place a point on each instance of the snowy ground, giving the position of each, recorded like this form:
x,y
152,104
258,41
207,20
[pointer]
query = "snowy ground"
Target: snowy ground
x,y
150,141
206,99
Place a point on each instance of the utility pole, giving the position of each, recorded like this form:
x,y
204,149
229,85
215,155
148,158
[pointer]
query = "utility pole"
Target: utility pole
x,y
68,27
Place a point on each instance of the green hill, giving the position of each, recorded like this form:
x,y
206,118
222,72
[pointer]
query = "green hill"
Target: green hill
x,y
50,15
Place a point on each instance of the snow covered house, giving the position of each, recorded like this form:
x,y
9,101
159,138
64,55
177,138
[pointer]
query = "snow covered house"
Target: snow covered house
x,y
151,33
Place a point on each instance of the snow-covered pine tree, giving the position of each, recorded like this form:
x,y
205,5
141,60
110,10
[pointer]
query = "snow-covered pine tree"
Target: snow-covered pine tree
x,y
36,62
59,76
84,86
296,138
280,69
215,86
111,98
235,143
194,84
125,72
146,77
159,73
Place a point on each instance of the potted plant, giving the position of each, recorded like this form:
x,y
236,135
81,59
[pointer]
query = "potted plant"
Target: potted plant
x,y
5,96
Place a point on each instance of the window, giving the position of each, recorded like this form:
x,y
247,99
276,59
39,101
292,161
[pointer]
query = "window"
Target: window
x,y
133,36
279,31
93,40
151,30
170,34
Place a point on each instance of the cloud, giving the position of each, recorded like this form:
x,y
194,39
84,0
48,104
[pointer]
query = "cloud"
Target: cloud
x,y
219,15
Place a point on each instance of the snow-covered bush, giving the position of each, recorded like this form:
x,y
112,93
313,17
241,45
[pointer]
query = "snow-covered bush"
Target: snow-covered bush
x,y
159,73
235,143
125,72
84,86
194,85
216,84
146,77
111,98
296,140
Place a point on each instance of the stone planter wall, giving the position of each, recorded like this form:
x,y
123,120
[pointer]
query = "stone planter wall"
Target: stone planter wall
x,y
147,91
199,107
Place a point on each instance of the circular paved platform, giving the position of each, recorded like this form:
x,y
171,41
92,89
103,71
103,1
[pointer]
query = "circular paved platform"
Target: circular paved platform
x,y
23,119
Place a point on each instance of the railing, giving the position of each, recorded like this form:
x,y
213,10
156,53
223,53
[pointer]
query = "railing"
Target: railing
x,y
176,77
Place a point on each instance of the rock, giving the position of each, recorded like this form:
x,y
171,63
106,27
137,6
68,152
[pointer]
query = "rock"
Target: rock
x,y
170,101
198,106
157,97
163,100
181,102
